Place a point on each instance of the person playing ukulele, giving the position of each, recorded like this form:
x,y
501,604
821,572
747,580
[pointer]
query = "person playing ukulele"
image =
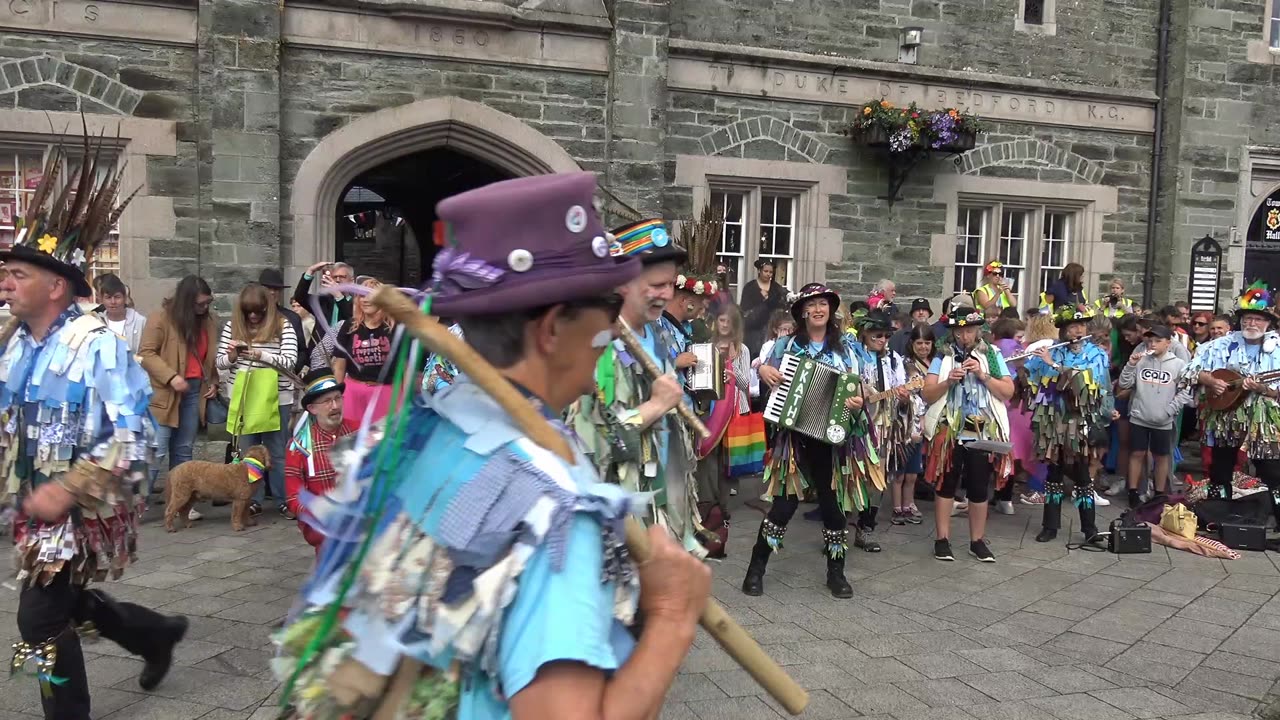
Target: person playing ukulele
x,y
1254,424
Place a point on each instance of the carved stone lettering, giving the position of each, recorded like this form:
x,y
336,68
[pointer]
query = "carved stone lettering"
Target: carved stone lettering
x,y
104,19
840,88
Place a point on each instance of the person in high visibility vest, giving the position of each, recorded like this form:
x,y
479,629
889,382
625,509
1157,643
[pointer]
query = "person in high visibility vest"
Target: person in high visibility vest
x,y
1115,305
1068,290
993,294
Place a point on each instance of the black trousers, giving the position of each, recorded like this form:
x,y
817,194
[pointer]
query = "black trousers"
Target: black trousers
x,y
1224,465
55,610
971,470
814,461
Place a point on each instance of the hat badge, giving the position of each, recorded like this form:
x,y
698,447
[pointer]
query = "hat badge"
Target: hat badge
x,y
576,219
600,246
520,260
659,237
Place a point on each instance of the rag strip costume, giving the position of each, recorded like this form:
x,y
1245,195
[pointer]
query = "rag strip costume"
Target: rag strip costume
x,y
839,474
1253,426
659,459
893,421
460,555
74,412
440,371
966,413
1070,402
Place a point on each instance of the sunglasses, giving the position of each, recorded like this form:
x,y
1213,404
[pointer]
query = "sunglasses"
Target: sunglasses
x,y
253,310
1199,323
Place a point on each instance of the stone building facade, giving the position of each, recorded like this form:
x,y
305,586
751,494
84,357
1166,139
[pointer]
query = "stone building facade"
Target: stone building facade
x,y
280,133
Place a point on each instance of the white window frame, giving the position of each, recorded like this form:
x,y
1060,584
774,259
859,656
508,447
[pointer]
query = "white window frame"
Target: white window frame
x,y
107,259
1048,17
757,200
1030,278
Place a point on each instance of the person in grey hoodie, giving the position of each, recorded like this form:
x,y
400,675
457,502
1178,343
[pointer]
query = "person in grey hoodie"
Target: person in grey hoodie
x,y
113,296
1152,372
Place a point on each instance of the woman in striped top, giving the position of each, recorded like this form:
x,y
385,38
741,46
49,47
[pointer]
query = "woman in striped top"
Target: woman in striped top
x,y
258,336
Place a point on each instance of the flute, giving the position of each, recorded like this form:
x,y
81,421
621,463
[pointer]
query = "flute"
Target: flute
x,y
1029,353
651,369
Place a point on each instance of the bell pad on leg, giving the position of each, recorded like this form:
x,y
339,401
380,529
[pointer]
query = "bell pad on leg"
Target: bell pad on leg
x,y
773,534
835,543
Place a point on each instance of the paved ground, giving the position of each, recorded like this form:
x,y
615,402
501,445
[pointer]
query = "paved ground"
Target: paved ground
x,y
1042,635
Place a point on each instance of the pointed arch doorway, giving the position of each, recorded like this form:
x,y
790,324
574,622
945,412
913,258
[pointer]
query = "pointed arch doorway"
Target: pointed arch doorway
x,y
366,194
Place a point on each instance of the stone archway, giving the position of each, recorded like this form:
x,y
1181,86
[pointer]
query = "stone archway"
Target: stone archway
x,y
461,125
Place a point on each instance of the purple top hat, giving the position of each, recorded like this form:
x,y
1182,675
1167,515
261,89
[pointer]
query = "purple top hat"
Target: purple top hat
x,y
522,244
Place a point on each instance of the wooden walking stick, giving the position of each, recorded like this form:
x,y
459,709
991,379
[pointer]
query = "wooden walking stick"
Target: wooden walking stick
x,y
651,369
736,641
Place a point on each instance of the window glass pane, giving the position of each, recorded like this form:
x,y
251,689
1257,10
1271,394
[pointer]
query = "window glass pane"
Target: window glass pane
x,y
778,233
1053,250
1013,245
729,205
1033,12
1275,31
970,238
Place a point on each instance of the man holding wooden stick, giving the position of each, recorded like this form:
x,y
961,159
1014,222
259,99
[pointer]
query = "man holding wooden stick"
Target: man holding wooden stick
x,y
492,560
626,420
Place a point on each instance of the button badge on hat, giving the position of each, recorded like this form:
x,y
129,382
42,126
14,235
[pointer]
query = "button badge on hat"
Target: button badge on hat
x,y
600,246
659,237
576,219
520,260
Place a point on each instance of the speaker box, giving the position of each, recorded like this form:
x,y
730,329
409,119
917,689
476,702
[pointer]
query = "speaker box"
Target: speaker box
x,y
1239,535
1129,539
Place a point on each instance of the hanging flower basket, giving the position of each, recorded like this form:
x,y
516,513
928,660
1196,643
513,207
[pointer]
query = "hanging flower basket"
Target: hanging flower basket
x,y
880,124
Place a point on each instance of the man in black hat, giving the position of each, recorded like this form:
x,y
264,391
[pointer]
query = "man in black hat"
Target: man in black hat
x,y
76,408
273,281
921,313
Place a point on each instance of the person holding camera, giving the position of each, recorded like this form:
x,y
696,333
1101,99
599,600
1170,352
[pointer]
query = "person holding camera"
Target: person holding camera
x,y
334,305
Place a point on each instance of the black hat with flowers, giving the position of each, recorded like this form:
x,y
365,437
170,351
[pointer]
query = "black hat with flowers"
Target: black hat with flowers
x,y
877,320
67,219
959,317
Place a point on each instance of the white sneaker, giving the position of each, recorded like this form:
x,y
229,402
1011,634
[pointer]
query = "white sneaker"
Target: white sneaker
x,y
194,515
733,491
1101,501
1118,486
1004,507
960,508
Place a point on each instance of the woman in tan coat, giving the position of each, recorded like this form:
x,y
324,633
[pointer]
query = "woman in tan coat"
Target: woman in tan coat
x,y
179,346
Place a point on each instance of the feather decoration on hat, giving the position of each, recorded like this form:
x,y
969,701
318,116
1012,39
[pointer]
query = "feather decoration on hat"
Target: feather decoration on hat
x,y
68,221
700,239
1256,297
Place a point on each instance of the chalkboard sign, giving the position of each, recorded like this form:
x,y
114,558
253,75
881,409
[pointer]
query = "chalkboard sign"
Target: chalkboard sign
x,y
1206,273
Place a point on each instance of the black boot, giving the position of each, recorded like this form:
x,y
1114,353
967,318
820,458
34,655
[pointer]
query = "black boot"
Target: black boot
x,y
1088,520
836,581
753,583
1051,522
139,630
157,665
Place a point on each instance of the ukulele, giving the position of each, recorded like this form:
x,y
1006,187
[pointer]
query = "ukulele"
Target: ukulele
x,y
911,386
1235,393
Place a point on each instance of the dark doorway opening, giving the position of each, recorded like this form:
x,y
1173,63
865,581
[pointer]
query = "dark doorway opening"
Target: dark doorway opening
x,y
385,218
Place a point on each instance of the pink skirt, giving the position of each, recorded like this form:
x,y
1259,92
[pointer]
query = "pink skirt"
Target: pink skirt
x,y
1021,437
359,396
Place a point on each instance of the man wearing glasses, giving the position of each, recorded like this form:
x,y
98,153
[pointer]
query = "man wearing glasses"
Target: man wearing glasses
x,y
307,464
993,295
334,306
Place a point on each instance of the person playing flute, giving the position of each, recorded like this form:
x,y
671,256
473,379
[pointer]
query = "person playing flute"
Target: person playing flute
x,y
484,573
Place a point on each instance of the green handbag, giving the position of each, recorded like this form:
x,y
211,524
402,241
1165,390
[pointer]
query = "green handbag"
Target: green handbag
x,y
255,402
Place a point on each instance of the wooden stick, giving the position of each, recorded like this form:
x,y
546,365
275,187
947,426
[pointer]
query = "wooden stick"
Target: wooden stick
x,y
651,369
736,641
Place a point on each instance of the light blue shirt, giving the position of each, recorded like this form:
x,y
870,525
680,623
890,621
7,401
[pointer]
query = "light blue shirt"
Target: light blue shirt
x,y
649,342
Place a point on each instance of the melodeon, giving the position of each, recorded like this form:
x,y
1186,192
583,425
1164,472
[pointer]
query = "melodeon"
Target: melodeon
x,y
706,379
810,399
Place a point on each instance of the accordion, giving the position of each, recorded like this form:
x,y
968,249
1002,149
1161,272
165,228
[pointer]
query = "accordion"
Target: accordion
x,y
706,379
810,399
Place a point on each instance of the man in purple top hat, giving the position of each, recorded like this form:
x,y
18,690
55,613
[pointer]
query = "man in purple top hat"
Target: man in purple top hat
x,y
510,562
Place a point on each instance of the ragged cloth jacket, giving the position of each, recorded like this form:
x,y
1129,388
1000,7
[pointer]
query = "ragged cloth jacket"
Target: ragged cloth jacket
x,y
1253,425
468,548
659,459
73,410
1071,408
897,421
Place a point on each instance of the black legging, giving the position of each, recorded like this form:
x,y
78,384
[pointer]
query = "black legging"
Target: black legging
x,y
814,461
1223,468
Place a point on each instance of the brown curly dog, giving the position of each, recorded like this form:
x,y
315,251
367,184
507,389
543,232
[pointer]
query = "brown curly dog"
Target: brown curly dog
x,y
200,480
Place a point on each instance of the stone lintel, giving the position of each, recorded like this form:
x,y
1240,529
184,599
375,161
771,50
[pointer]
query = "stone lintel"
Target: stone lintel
x,y
467,38
137,20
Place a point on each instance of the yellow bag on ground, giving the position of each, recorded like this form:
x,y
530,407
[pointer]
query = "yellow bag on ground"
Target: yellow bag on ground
x,y
1178,520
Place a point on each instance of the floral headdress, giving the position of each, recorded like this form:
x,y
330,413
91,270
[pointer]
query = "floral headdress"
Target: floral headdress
x,y
700,238
993,266
66,222
1065,315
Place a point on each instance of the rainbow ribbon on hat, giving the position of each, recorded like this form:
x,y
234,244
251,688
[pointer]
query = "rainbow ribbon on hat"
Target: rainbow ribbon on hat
x,y
255,469
644,236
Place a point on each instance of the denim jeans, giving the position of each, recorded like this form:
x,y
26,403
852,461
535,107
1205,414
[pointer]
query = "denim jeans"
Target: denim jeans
x,y
178,444
275,444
